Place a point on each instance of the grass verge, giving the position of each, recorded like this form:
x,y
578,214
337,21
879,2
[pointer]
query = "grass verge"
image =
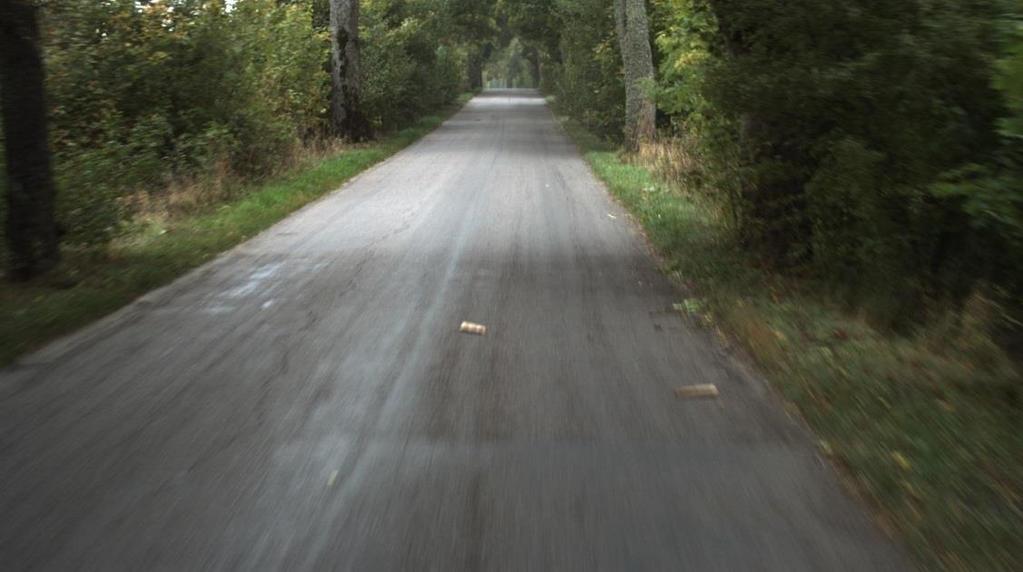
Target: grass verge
x,y
924,425
155,254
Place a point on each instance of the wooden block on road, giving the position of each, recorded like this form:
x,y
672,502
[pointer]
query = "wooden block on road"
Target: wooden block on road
x,y
702,391
474,329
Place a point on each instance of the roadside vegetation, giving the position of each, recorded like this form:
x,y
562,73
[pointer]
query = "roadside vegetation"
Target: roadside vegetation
x,y
836,189
160,244
923,423
175,129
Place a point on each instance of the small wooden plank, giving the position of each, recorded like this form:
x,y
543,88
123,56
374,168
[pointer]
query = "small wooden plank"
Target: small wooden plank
x,y
474,329
701,391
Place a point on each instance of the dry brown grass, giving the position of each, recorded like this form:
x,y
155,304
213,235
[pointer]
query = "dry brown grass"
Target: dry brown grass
x,y
188,195
671,159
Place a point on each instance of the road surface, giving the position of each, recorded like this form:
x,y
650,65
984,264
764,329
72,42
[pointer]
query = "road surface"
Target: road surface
x,y
306,402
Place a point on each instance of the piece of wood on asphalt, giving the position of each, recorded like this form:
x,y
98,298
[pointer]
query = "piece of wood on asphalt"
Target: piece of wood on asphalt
x,y
474,329
701,391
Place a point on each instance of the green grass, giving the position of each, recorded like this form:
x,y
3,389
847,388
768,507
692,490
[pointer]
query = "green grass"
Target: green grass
x,y
924,425
93,283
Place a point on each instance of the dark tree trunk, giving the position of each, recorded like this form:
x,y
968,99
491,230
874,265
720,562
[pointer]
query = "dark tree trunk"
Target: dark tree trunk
x,y
633,30
31,222
346,116
475,70
533,57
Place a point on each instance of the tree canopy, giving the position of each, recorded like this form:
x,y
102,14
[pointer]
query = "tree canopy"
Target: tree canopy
x,y
872,144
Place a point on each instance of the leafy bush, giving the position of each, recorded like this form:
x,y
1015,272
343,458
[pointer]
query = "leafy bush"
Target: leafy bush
x,y
406,70
143,93
152,96
828,125
580,63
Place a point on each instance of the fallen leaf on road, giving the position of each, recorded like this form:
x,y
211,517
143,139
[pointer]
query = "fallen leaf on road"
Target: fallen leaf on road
x,y
471,328
611,216
332,479
697,391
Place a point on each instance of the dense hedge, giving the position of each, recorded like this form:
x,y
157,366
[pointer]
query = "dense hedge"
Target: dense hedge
x,y
580,64
852,137
144,96
872,144
408,71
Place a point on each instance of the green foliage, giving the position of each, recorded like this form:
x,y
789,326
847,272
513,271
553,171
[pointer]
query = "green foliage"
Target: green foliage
x,y
143,93
154,253
990,195
827,126
146,95
922,423
869,148
408,70
873,144
579,60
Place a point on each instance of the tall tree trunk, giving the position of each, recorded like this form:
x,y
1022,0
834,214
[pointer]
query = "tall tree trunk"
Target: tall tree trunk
x,y
637,58
31,222
533,57
475,69
346,116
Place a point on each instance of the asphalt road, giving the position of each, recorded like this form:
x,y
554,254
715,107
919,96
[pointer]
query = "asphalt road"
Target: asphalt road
x,y
306,402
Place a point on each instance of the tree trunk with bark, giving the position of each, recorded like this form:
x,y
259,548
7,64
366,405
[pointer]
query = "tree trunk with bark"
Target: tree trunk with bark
x,y
31,221
533,57
475,69
346,116
637,57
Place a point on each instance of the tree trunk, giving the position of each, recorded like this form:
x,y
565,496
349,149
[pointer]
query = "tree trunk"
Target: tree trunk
x,y
31,222
533,57
637,58
475,70
346,116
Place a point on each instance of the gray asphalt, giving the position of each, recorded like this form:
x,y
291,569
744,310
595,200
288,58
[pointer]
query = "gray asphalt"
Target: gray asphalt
x,y
305,401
